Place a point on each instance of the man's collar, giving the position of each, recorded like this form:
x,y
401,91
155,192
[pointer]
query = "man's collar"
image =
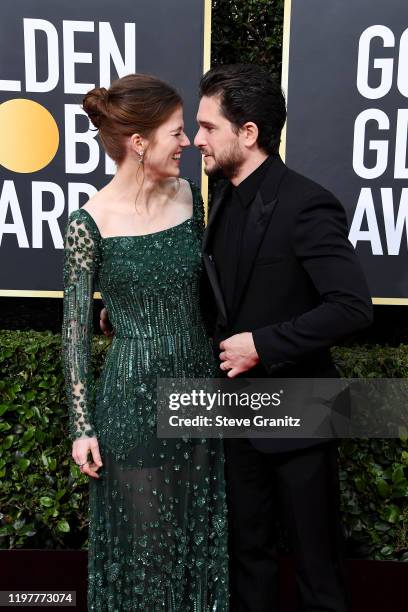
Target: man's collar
x,y
247,190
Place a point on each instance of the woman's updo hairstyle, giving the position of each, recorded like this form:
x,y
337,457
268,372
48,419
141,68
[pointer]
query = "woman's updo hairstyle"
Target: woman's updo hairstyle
x,y
134,104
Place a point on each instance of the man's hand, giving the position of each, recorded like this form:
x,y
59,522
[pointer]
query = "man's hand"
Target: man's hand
x,y
238,354
105,324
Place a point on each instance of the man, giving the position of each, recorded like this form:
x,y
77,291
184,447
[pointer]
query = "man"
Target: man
x,y
287,286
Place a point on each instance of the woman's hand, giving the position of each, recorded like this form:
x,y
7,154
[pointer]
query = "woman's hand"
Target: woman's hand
x,y
85,453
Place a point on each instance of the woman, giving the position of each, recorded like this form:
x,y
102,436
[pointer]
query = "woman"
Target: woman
x,y
157,535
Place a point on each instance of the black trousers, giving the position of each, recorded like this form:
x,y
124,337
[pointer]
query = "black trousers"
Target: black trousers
x,y
302,488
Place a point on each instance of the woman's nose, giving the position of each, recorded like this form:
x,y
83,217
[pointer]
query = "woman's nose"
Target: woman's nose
x,y
186,141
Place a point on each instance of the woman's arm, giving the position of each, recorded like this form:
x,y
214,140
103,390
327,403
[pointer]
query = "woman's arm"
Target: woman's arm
x,y
81,260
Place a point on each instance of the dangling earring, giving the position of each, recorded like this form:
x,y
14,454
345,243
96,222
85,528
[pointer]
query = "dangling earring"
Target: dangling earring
x,y
140,154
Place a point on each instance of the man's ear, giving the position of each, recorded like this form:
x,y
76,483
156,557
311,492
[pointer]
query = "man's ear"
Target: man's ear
x,y
250,133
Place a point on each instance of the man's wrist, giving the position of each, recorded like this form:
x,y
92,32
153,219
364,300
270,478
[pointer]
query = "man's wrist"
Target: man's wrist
x,y
257,340
254,351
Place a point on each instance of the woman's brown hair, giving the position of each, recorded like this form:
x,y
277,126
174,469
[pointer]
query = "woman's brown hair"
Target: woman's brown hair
x,y
134,104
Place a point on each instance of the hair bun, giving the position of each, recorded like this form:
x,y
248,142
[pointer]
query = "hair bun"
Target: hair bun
x,y
95,104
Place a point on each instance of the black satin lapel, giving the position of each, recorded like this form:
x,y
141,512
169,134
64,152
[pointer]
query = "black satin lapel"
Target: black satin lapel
x,y
207,257
213,278
259,216
216,205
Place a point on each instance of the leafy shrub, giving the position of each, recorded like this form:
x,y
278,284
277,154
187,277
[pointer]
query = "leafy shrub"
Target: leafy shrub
x,y
43,501
373,473
43,496
248,31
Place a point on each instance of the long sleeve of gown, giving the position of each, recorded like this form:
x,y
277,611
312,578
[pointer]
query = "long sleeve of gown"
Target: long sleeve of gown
x,y
81,260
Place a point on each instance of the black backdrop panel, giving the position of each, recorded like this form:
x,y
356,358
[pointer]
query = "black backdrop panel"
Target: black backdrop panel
x,y
161,38
348,122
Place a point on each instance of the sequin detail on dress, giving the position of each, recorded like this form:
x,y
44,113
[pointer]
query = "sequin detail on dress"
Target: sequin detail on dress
x,y
157,533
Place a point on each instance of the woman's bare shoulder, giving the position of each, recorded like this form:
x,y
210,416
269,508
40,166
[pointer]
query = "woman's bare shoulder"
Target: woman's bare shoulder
x,y
98,206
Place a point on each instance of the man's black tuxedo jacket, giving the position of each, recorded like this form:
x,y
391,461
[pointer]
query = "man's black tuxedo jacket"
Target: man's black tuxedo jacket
x,y
300,288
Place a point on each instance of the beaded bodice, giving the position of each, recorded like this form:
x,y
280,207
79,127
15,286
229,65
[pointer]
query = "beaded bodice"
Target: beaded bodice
x,y
155,298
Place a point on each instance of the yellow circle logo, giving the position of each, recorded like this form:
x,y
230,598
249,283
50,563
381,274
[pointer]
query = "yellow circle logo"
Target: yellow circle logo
x,y
29,136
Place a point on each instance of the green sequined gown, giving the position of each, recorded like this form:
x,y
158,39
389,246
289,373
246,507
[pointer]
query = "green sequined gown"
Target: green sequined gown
x,y
157,532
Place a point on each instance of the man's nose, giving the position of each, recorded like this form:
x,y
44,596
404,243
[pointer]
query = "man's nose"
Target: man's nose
x,y
198,139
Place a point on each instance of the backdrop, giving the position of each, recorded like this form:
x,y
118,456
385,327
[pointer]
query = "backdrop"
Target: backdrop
x,y
51,53
347,88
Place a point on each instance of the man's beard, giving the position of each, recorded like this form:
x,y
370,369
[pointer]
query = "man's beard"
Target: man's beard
x,y
228,164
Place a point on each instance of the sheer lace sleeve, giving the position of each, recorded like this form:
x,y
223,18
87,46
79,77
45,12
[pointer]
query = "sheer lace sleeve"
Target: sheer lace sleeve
x,y
81,260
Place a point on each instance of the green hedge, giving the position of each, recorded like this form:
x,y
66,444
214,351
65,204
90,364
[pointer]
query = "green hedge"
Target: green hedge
x,y
43,497
247,31
374,473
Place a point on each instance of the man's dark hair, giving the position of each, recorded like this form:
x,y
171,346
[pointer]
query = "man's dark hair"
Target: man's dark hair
x,y
249,93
